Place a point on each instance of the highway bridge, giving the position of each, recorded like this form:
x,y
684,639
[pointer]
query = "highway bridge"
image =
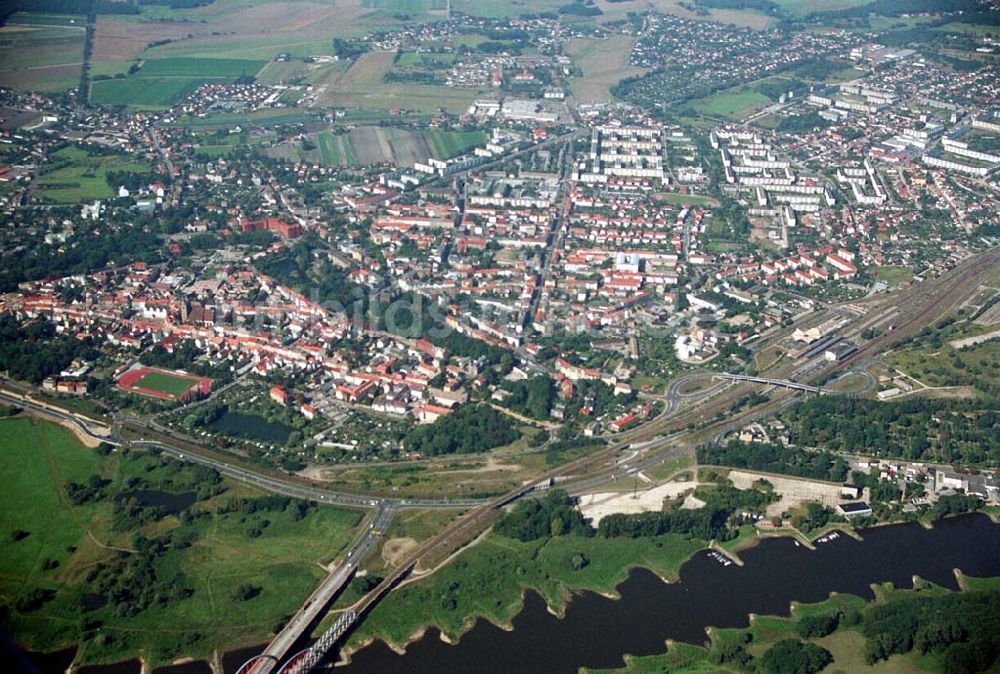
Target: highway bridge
x,y
772,382
316,605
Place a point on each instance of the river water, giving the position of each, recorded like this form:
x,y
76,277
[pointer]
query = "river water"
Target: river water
x,y
597,631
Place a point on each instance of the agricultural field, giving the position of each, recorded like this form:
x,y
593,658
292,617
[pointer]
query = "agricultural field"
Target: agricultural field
x,y
447,144
804,7
163,82
364,145
362,85
75,177
604,62
407,6
41,52
141,92
336,150
223,574
412,58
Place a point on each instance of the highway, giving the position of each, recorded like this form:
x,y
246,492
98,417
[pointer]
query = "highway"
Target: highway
x,y
85,426
784,383
316,605
918,308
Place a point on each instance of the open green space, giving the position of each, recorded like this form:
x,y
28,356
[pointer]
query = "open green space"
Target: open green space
x,y
336,150
732,103
98,553
166,383
143,92
73,176
488,580
894,275
162,82
447,144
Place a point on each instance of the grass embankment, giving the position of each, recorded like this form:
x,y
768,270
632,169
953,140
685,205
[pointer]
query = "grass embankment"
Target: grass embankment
x,y
58,548
846,644
488,580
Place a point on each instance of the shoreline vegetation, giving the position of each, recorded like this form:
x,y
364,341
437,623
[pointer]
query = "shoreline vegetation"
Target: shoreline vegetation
x,y
488,581
557,604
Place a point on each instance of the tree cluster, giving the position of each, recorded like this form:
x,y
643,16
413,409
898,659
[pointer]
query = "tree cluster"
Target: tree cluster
x,y
469,429
554,515
965,627
775,458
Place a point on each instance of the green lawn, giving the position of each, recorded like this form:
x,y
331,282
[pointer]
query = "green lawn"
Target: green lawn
x,y
143,92
894,275
73,176
211,553
732,103
336,149
447,144
165,383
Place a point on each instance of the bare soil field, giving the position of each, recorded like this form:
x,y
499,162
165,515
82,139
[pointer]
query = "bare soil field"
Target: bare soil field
x,y
396,549
597,506
364,75
116,39
42,78
793,492
604,62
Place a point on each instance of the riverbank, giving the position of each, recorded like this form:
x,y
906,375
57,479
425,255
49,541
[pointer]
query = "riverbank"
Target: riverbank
x,y
482,592
130,554
648,612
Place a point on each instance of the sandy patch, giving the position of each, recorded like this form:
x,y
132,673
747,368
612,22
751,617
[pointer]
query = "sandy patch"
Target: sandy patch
x,y
971,341
395,550
597,506
794,492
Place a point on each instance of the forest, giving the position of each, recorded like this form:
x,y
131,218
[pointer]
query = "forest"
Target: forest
x,y
33,351
965,627
947,431
775,458
468,429
534,519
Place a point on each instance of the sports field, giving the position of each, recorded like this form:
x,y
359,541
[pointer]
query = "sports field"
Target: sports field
x,y
162,384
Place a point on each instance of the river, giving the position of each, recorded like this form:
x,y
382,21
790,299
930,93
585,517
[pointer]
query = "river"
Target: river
x,y
597,631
